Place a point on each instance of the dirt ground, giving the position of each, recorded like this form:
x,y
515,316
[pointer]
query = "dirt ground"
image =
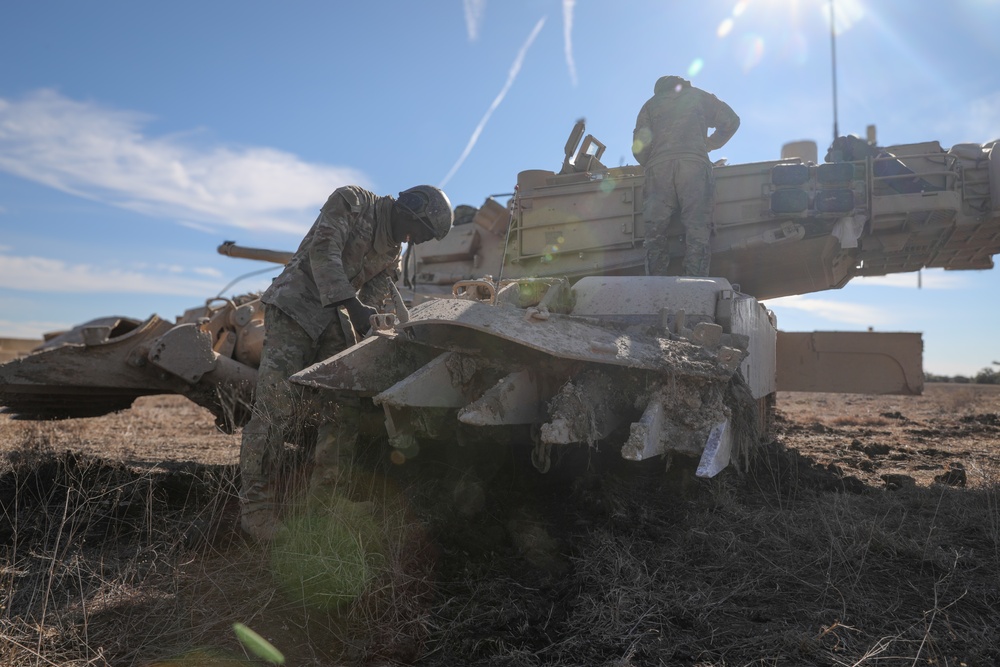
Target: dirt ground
x,y
951,426
867,533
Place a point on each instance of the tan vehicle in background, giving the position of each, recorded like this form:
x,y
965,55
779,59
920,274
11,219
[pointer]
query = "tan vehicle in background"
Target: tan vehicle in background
x,y
533,322
12,348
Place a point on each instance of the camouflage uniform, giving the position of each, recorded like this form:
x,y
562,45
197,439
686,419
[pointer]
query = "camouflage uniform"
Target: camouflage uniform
x,y
671,142
349,251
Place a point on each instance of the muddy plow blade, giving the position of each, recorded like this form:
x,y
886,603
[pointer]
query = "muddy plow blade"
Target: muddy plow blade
x,y
88,377
649,386
102,366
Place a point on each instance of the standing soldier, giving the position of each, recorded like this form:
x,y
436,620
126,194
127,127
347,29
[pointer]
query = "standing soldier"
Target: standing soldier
x,y
671,142
319,305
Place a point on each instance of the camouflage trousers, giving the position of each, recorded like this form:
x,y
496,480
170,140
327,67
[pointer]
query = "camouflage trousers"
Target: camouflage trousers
x,y
685,188
284,411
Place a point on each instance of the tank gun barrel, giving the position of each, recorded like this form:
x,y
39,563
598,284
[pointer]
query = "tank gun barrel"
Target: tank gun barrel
x,y
243,252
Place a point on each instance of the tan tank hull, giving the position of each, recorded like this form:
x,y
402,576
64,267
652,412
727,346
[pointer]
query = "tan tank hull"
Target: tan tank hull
x,y
780,227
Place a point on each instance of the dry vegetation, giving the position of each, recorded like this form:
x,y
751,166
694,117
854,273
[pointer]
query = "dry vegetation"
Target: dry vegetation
x,y
867,534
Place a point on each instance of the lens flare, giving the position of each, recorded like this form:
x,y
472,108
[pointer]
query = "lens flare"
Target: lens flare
x,y
328,555
725,27
846,15
750,51
695,67
796,49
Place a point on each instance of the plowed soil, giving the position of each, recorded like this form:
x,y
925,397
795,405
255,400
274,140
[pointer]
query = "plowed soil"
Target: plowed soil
x,y
867,533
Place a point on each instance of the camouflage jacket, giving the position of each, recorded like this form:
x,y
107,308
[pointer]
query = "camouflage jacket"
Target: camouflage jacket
x,y
674,124
348,252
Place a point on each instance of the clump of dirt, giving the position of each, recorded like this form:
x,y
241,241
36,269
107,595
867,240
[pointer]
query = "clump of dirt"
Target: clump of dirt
x,y
990,421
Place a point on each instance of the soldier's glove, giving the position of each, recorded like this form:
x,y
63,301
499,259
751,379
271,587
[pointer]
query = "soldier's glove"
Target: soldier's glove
x,y
360,315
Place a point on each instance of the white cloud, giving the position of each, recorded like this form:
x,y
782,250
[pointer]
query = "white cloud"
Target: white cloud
x,y
474,11
568,6
833,311
511,76
208,272
102,154
40,274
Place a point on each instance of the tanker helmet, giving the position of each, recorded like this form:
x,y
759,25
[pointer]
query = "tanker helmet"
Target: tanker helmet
x,y
429,205
670,83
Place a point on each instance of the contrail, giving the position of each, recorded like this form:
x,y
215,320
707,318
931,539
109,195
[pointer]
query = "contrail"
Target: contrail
x,y
511,75
568,6
473,17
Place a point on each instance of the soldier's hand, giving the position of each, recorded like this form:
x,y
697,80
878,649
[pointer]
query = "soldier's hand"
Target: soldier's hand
x,y
360,316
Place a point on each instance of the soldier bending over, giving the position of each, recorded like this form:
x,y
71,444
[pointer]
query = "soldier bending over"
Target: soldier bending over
x,y
347,262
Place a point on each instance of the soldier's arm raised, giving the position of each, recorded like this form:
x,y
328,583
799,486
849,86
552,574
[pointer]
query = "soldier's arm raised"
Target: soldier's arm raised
x,y
725,121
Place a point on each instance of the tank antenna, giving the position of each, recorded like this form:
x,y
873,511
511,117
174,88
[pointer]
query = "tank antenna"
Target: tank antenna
x,y
833,62
239,278
510,223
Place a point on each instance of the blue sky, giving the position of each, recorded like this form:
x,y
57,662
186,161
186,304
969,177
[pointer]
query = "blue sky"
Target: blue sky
x,y
135,137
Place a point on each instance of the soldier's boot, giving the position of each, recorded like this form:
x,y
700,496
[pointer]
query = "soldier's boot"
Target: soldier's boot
x,y
259,511
258,504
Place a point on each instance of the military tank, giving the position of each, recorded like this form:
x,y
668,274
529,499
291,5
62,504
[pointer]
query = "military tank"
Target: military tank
x,y
781,228
549,328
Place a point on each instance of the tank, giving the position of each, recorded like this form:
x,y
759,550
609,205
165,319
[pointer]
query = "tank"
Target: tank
x,y
532,320
781,227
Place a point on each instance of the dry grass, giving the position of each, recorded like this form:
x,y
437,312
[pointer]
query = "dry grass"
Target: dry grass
x,y
480,561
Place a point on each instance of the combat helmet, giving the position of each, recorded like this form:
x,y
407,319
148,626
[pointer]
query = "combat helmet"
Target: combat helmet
x,y
670,83
431,206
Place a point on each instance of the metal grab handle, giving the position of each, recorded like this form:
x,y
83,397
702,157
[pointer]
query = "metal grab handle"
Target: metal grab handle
x,y
464,285
383,321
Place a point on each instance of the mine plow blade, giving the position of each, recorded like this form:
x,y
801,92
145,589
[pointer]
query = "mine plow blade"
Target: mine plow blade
x,y
489,371
89,376
412,391
677,420
368,368
588,408
209,355
497,330
518,398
